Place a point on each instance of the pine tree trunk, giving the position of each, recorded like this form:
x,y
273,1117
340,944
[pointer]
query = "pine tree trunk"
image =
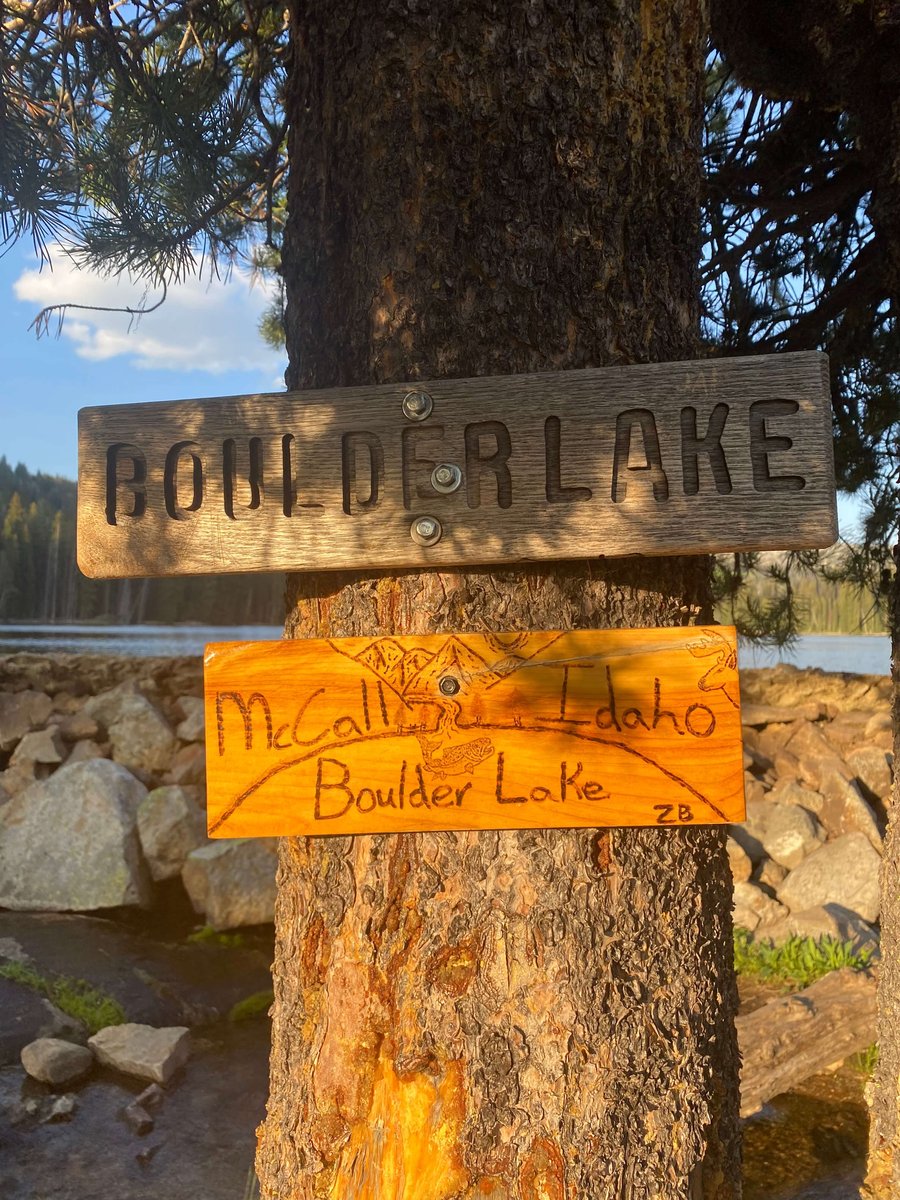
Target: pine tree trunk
x,y
484,189
883,1175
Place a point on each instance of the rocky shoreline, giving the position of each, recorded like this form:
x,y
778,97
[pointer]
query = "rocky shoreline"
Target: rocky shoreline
x,y
102,791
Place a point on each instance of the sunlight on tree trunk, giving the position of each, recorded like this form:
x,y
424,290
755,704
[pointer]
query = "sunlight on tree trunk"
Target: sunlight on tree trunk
x,y
883,1175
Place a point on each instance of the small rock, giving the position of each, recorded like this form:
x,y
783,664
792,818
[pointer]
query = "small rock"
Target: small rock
x,y
754,761
139,734
85,751
786,765
751,903
872,767
78,727
65,704
59,1063
770,874
16,779
754,792
846,730
810,746
750,845
151,1097
233,882
145,1157
20,712
192,728
845,810
142,1050
773,714
189,765
61,1109
878,723
44,746
12,951
843,872
785,832
772,739
739,861
137,1118
789,791
170,826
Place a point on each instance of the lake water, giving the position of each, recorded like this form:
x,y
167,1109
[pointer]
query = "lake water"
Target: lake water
x,y
869,655
860,655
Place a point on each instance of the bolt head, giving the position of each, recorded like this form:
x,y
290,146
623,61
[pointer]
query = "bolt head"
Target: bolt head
x,y
426,531
449,686
417,406
446,477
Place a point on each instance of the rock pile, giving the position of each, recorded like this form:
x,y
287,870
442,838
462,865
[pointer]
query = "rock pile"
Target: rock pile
x,y
102,792
818,772
102,796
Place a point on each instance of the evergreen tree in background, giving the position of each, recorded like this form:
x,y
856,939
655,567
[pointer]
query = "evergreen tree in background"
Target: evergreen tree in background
x,y
40,581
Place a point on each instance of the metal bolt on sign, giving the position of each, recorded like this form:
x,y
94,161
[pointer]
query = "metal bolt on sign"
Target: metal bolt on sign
x,y
417,406
426,531
446,477
449,686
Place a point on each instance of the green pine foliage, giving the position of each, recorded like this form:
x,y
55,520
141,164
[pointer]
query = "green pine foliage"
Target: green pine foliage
x,y
40,580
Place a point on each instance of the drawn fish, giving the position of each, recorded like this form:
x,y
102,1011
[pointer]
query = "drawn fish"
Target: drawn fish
x,y
455,759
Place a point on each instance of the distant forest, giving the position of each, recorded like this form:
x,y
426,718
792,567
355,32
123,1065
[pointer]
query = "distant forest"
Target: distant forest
x,y
40,581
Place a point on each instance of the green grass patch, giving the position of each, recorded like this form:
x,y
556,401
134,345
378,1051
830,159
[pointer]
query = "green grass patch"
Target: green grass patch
x,y
866,1060
75,997
796,963
207,936
256,1005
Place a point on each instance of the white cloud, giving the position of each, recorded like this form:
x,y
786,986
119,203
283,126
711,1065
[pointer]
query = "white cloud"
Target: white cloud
x,y
204,325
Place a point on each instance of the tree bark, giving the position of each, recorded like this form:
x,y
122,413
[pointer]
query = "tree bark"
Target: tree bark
x,y
883,1173
483,189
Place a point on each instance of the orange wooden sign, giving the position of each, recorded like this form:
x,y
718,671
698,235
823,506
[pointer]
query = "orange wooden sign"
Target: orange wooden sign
x,y
474,731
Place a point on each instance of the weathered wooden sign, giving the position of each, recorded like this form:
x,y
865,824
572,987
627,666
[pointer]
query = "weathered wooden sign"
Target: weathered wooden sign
x,y
687,457
474,731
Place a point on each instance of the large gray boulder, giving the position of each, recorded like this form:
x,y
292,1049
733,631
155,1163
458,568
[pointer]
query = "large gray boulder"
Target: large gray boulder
x,y
142,1050
170,825
140,736
70,843
233,882
843,872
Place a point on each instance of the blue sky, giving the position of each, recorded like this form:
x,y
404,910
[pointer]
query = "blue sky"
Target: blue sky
x,y
202,342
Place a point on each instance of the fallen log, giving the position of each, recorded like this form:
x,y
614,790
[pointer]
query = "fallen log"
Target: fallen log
x,y
796,1036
